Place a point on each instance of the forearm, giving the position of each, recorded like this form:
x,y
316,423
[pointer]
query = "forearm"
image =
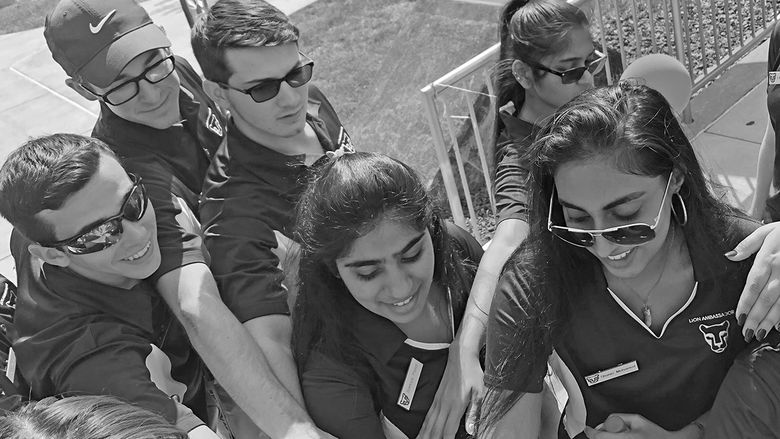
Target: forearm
x,y
232,355
272,333
509,234
764,171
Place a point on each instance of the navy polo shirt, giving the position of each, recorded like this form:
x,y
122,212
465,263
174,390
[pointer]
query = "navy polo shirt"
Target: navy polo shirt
x,y
679,370
171,161
512,168
78,336
344,405
248,206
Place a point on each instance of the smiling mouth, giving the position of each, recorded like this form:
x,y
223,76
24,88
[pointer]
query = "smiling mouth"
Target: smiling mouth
x,y
141,253
404,302
620,256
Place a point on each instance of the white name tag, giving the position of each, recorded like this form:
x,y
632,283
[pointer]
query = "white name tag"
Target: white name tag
x,y
410,384
614,372
773,78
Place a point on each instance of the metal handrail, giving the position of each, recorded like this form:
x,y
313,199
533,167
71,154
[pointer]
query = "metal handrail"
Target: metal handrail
x,y
682,34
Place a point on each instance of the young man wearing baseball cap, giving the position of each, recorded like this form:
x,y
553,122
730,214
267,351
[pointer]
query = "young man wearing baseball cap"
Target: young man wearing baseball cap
x,y
84,240
280,125
155,116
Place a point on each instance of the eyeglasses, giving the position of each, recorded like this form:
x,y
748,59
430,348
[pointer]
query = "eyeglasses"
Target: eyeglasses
x,y
629,234
105,233
573,75
269,88
129,89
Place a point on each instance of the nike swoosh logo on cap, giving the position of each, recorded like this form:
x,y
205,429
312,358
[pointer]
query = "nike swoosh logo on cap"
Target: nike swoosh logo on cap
x,y
95,29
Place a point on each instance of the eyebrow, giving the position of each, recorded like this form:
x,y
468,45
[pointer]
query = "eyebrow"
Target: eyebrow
x,y
406,248
622,200
254,82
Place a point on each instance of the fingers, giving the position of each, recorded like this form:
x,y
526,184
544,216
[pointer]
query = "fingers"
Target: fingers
x,y
473,412
756,280
767,304
751,244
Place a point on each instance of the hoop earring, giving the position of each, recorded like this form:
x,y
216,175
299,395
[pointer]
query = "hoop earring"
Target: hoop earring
x,y
682,220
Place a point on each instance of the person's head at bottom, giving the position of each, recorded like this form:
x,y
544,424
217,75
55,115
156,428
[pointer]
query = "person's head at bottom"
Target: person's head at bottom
x,y
616,188
72,198
85,417
372,240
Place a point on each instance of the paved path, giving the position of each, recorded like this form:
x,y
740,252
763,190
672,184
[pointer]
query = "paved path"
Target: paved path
x,y
34,100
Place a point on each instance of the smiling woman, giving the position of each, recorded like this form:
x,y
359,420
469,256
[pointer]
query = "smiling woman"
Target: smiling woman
x,y
383,287
622,284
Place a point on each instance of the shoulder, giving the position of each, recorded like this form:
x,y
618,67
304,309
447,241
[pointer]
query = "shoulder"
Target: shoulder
x,y
465,243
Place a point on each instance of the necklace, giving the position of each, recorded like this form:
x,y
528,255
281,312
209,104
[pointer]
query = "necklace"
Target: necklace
x,y
647,314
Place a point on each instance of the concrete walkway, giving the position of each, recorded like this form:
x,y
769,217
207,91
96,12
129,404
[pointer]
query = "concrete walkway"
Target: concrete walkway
x,y
730,116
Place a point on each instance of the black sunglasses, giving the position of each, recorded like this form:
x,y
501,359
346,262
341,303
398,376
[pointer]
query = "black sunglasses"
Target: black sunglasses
x,y
105,233
629,234
130,88
269,88
573,75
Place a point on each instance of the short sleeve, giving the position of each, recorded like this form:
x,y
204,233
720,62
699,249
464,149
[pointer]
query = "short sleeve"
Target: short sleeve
x,y
338,401
511,177
516,358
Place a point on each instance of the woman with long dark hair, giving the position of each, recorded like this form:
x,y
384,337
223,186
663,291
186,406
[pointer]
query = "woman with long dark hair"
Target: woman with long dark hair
x,y
383,284
547,58
622,285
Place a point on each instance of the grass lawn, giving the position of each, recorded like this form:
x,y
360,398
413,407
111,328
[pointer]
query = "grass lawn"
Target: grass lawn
x,y
373,56
23,14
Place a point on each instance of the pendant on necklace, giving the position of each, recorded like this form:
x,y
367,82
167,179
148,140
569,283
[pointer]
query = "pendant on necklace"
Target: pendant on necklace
x,y
646,316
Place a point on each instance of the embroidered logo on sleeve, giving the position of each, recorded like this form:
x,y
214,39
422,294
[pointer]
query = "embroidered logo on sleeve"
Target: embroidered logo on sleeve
x,y
716,336
773,78
212,123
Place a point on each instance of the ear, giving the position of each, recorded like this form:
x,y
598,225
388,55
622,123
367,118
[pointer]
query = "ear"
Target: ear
x,y
49,255
78,88
217,93
677,181
523,74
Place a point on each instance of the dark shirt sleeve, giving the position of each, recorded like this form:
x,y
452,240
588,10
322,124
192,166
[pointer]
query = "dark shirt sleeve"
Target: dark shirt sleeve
x,y
748,401
467,245
243,261
510,186
178,230
106,361
338,401
511,324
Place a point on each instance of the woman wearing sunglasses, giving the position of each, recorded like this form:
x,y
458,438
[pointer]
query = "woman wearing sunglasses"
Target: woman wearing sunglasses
x,y
622,284
547,58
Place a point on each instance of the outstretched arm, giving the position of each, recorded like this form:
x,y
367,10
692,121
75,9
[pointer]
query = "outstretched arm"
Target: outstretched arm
x,y
764,168
233,356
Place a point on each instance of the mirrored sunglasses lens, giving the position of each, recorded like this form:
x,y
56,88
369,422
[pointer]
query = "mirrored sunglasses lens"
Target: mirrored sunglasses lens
x,y
573,75
597,65
97,239
632,235
574,238
134,208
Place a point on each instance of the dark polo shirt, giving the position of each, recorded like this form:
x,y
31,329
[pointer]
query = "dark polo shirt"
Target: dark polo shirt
x,y
679,370
171,161
78,336
248,204
512,168
344,405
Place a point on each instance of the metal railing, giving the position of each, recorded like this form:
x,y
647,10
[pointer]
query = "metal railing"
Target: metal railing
x,y
707,36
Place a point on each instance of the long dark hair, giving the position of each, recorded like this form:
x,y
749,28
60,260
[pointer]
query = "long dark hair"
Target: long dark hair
x,y
529,30
632,127
347,199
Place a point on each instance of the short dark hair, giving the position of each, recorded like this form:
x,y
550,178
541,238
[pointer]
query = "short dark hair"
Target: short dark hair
x,y
231,24
87,417
41,174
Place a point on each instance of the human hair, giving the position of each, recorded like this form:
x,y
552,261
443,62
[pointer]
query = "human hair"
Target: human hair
x,y
233,24
347,199
41,174
633,128
529,30
85,417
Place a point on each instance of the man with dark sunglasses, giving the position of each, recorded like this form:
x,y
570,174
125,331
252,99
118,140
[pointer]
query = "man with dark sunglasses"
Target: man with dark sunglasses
x,y
84,241
155,115
280,125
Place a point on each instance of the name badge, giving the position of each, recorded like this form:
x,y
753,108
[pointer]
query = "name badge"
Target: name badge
x,y
774,78
611,373
410,384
